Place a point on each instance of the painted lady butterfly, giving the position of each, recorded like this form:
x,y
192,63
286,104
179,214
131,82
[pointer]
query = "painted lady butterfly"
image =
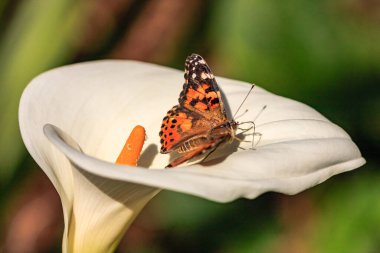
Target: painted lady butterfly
x,y
199,122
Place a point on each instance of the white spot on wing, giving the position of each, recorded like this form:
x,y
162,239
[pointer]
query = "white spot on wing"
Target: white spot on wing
x,y
205,75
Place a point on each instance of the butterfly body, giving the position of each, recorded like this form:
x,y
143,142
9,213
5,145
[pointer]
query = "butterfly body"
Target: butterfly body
x,y
199,122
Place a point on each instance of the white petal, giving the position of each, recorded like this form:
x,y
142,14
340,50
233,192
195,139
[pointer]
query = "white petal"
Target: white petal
x,y
288,167
102,211
98,103
87,111
96,210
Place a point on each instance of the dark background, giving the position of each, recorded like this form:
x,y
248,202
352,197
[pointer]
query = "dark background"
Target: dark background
x,y
324,53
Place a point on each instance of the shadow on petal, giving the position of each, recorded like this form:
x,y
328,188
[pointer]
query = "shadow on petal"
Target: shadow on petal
x,y
147,156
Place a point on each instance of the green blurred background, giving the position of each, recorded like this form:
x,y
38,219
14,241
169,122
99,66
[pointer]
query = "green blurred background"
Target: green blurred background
x,y
324,53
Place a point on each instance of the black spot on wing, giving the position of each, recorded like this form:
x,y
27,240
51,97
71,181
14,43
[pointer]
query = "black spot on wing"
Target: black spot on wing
x,y
209,89
215,101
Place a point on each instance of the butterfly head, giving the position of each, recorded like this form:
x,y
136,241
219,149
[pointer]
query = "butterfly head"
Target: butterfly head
x,y
225,130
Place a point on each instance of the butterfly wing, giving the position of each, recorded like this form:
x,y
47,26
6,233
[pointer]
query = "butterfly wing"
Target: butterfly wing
x,y
200,106
178,125
200,92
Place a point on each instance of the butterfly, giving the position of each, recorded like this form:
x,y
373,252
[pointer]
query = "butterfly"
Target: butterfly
x,y
199,122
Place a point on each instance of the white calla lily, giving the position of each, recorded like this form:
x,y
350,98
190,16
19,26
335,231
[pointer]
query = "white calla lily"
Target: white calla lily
x,y
74,121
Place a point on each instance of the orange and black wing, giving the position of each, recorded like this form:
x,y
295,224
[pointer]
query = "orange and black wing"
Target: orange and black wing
x,y
178,125
200,106
200,92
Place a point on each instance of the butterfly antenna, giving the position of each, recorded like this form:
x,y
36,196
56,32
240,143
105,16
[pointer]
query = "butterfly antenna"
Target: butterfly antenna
x,y
253,85
260,112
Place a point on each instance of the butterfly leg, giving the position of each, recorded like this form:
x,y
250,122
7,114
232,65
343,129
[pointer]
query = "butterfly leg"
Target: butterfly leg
x,y
253,125
244,130
253,140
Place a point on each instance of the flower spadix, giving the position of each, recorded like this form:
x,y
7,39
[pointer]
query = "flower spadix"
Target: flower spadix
x,y
74,121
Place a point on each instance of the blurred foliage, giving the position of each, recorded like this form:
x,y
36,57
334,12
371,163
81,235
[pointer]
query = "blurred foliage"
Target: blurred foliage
x,y
349,215
324,53
40,37
242,226
296,47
